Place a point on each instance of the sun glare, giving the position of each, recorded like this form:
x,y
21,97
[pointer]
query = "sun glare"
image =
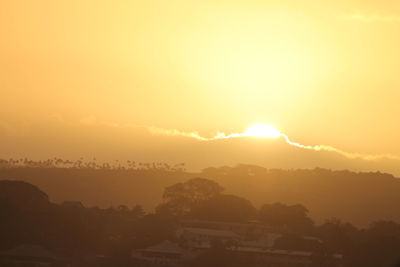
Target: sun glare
x,y
263,131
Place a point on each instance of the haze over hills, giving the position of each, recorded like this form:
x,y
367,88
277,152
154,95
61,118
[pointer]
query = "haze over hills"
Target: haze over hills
x,y
109,142
359,198
364,197
272,115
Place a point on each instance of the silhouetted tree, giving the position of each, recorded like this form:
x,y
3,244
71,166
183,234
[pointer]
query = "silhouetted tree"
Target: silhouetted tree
x,y
292,218
381,246
180,199
338,236
224,208
299,243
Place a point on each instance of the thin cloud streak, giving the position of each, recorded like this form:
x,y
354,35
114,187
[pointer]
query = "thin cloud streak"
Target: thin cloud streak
x,y
221,135
174,132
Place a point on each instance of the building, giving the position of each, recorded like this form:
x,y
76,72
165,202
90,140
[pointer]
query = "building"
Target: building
x,y
248,229
166,254
251,234
285,258
252,242
169,254
195,237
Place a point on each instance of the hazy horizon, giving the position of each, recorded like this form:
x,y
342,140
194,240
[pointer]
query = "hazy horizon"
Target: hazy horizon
x,y
321,73
106,142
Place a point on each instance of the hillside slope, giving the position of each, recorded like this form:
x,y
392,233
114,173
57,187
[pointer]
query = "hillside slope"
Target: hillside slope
x,y
356,197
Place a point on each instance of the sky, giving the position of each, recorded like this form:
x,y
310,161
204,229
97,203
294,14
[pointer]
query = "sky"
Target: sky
x,y
322,72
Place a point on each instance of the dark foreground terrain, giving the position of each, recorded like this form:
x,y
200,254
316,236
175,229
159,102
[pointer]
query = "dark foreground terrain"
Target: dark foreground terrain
x,y
196,223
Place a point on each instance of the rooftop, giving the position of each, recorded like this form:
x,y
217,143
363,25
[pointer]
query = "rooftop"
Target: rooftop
x,y
210,232
165,247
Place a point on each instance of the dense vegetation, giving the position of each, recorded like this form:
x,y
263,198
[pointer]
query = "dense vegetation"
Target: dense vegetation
x,y
78,232
356,197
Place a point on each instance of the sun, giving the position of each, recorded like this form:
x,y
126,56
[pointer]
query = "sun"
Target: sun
x,y
263,131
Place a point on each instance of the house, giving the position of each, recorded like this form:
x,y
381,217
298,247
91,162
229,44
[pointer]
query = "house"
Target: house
x,y
194,237
252,241
169,254
165,254
248,229
287,258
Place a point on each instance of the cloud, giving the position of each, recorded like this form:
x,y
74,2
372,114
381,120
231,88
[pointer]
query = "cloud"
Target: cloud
x,y
349,155
93,122
108,141
221,135
282,152
174,132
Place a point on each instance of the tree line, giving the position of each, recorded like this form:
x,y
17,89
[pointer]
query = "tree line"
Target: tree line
x,y
91,164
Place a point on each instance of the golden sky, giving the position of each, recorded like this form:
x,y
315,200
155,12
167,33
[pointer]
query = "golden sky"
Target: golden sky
x,y
323,72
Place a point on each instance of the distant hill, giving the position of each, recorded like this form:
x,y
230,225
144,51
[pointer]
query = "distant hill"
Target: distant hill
x,y
359,198
107,143
23,196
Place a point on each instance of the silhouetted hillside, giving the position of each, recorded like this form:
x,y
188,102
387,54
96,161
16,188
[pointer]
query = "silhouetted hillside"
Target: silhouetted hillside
x,y
99,187
356,197
23,196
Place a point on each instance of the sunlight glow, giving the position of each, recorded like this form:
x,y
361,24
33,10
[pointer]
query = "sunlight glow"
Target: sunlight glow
x,y
263,131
